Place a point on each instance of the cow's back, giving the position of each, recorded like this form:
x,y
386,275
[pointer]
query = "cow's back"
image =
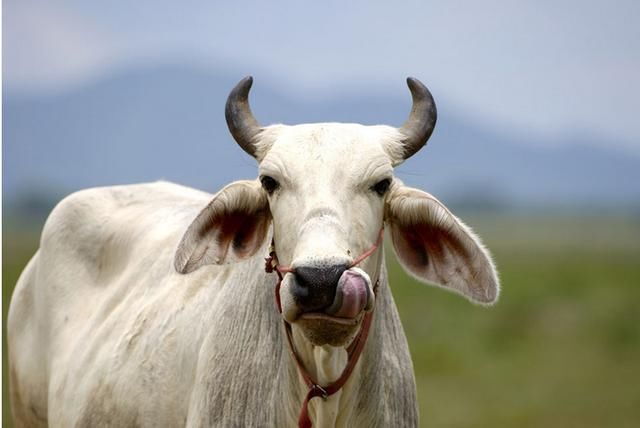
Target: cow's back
x,y
103,273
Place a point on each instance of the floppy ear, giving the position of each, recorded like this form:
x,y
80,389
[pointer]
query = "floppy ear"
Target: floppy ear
x,y
436,247
230,228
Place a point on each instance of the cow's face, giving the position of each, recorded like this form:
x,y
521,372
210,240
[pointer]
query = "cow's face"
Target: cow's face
x,y
328,189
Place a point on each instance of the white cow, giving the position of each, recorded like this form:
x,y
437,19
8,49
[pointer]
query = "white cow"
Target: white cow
x,y
132,313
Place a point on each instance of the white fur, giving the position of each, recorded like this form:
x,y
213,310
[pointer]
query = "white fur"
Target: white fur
x,y
103,331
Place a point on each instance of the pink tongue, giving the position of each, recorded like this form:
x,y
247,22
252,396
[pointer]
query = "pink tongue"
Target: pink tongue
x,y
351,296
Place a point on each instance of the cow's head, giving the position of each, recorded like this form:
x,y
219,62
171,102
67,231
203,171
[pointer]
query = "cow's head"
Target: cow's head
x,y
328,189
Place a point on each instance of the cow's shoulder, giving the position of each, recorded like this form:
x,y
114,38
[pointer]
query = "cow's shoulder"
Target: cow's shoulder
x,y
88,212
90,224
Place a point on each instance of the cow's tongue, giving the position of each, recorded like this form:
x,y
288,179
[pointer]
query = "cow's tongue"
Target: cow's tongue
x,y
352,295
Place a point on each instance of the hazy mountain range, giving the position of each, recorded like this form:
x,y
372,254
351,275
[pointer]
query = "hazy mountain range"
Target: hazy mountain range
x,y
168,123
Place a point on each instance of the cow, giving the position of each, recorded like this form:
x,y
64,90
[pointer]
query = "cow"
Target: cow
x,y
152,305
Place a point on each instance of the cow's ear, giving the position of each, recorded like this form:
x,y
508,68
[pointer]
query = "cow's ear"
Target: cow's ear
x,y
436,247
232,227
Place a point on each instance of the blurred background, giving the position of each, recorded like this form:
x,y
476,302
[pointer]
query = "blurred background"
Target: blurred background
x,y
537,147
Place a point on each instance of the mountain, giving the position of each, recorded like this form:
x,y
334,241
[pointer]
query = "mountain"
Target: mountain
x,y
167,122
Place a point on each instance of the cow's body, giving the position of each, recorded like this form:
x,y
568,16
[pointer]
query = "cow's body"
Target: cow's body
x,y
104,332
150,305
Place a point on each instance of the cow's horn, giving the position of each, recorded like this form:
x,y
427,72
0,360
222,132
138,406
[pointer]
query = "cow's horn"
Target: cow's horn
x,y
242,125
422,119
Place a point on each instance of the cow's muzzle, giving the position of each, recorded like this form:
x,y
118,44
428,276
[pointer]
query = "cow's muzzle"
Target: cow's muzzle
x,y
334,290
326,298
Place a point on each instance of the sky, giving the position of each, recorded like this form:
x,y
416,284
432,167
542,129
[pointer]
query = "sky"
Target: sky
x,y
554,70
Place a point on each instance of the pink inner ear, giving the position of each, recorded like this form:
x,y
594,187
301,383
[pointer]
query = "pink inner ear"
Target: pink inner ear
x,y
436,247
410,247
241,232
431,252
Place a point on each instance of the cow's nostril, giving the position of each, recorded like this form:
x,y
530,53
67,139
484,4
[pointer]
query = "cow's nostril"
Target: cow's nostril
x,y
315,287
309,276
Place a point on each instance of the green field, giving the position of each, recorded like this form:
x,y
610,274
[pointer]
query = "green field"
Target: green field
x,y
561,348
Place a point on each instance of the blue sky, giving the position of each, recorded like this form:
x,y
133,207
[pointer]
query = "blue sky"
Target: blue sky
x,y
550,69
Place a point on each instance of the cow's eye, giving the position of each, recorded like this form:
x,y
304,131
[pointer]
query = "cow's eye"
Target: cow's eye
x,y
269,184
381,186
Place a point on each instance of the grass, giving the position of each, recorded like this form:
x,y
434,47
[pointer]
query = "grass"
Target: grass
x,y
561,348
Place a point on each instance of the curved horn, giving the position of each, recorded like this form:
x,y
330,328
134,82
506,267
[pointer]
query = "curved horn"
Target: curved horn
x,y
242,125
422,119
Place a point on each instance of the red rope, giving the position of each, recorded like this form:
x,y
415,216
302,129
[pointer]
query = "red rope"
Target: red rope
x,y
304,421
371,250
272,260
354,350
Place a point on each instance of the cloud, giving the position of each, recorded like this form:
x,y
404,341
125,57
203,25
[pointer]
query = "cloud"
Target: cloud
x,y
541,67
47,45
